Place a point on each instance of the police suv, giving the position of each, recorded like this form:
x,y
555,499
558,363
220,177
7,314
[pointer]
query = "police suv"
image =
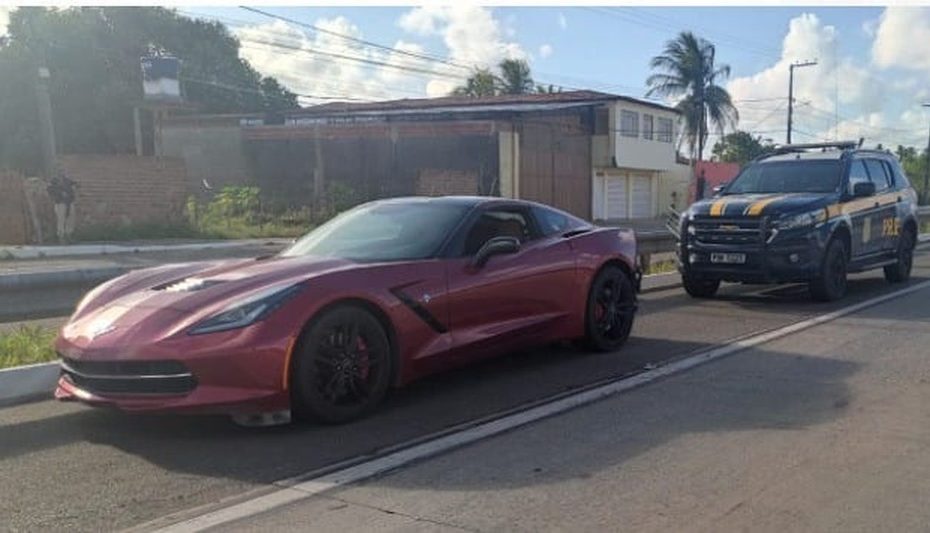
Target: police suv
x,y
804,213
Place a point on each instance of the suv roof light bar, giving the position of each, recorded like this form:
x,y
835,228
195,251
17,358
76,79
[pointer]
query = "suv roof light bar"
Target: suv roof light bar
x,y
840,145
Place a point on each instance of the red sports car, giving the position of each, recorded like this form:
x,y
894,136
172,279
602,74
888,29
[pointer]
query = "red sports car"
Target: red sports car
x,y
383,294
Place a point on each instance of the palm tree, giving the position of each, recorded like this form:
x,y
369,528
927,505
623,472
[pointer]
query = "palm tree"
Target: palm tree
x,y
686,69
481,83
515,77
548,89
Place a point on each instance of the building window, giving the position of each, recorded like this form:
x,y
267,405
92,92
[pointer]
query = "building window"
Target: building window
x,y
664,132
647,126
629,123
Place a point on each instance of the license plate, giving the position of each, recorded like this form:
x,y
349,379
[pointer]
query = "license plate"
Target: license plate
x,y
732,259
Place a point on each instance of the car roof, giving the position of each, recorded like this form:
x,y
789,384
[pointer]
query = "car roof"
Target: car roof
x,y
459,200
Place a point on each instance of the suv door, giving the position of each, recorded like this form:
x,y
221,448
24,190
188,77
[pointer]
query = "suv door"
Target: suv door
x,y
513,297
886,224
859,210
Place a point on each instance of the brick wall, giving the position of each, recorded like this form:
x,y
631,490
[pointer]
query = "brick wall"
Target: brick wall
x,y
127,189
14,217
440,182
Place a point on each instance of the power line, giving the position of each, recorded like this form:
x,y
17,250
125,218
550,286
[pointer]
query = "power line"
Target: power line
x,y
355,39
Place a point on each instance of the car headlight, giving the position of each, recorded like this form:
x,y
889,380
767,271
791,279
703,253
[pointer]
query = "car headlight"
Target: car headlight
x,y
801,220
246,312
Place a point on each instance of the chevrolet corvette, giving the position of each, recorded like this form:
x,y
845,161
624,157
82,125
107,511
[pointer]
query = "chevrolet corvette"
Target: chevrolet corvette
x,y
384,293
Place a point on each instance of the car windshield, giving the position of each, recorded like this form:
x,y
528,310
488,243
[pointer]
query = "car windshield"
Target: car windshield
x,y
786,177
393,231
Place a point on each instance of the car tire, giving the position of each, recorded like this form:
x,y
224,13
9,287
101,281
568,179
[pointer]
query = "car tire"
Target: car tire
x,y
831,283
901,270
700,288
342,366
610,310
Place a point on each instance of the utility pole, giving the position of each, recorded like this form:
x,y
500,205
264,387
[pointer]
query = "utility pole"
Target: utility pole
x,y
791,91
926,191
47,128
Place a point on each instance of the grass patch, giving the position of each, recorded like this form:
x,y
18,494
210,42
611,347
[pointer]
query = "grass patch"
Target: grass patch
x,y
661,267
27,345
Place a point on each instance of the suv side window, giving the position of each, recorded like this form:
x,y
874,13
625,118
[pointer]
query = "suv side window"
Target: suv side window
x,y
900,179
498,222
878,175
892,179
857,174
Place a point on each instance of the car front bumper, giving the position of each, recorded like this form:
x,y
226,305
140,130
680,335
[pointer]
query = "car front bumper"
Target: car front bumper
x,y
232,373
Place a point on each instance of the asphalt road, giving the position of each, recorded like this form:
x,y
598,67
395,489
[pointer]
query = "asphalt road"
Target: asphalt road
x,y
825,430
71,467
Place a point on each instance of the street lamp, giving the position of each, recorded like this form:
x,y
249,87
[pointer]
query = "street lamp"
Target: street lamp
x,y
926,190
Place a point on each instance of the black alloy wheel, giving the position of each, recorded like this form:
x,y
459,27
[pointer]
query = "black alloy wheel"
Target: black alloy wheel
x,y
342,367
611,309
831,284
901,270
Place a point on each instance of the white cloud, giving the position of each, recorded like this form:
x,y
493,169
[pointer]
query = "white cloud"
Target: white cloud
x,y
309,65
5,18
818,89
869,27
563,22
545,51
472,35
902,38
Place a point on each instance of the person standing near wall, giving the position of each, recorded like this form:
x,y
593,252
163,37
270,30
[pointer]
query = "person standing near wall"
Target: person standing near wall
x,y
61,190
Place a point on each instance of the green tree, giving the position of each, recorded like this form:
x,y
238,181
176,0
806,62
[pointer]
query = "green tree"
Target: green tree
x,y
515,77
482,82
741,147
686,69
93,55
548,89
914,164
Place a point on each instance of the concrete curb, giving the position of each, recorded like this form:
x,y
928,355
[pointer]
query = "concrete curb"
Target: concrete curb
x,y
43,252
22,384
658,282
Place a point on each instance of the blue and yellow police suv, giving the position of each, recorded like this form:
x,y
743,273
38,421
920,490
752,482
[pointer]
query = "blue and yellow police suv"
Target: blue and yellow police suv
x,y
804,213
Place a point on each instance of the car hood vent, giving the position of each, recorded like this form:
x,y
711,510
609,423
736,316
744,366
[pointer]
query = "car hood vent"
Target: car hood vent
x,y
188,285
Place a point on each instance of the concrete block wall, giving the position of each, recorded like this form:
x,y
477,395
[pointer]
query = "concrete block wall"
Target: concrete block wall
x,y
127,189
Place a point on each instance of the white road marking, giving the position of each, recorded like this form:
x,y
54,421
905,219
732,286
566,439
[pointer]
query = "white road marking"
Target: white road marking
x,y
430,448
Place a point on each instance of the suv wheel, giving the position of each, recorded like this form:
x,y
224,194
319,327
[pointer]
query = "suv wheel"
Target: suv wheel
x,y
700,288
901,270
831,284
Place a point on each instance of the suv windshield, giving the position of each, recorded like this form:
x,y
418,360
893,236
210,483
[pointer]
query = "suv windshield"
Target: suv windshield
x,y
393,231
787,176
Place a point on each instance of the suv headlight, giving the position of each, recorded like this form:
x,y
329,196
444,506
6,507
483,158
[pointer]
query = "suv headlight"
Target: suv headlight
x,y
247,311
801,220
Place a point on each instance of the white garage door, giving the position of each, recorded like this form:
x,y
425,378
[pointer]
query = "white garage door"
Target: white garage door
x,y
615,197
642,196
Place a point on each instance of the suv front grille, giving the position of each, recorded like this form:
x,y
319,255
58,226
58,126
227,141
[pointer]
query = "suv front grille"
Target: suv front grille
x,y
129,377
738,231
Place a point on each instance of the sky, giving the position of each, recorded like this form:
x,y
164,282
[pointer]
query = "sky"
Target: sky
x,y
872,72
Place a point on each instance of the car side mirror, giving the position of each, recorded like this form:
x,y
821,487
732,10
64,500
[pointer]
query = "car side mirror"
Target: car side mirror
x,y
719,188
495,246
863,189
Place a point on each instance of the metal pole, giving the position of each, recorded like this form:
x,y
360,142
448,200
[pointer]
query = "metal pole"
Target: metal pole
x,y
790,99
791,92
46,126
926,191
